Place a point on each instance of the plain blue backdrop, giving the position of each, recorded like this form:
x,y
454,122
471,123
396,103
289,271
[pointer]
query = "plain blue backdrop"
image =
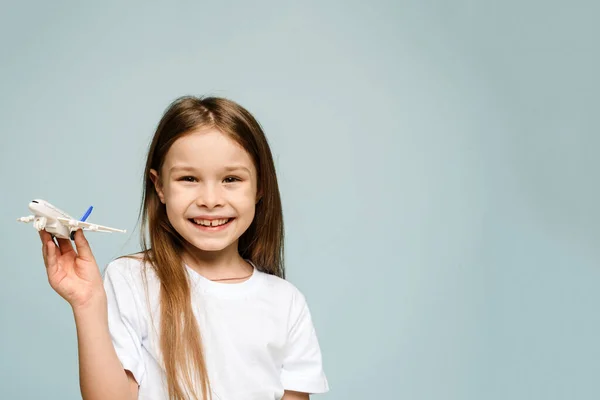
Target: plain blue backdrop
x,y
437,162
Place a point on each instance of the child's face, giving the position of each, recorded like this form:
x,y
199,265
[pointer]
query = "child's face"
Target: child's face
x,y
208,183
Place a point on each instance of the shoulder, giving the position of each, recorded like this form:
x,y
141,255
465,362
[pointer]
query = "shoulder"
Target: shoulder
x,y
130,268
280,287
129,282
286,294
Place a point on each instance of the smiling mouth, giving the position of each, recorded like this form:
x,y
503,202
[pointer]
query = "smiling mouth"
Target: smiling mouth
x,y
211,223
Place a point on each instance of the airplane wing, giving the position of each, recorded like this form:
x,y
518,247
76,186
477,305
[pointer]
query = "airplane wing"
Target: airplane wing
x,y
86,226
26,219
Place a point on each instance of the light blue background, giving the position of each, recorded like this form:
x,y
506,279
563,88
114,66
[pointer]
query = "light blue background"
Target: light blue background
x,y
437,160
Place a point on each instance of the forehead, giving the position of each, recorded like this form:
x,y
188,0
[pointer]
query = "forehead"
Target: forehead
x,y
207,148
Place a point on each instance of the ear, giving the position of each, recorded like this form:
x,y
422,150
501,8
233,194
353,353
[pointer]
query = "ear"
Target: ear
x,y
157,185
258,197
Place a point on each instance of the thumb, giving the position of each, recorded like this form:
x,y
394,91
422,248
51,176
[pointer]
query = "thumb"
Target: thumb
x,y
83,247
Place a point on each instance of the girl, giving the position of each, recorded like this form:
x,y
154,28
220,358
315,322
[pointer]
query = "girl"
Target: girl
x,y
204,310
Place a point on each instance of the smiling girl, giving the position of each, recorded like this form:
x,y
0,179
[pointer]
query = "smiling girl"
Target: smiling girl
x,y
203,311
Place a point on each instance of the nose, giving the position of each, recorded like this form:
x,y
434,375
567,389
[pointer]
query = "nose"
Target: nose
x,y
210,196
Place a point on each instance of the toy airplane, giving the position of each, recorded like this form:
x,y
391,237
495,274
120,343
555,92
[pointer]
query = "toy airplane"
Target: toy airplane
x,y
58,223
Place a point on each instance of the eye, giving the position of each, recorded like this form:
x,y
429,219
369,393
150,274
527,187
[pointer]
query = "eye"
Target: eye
x,y
231,179
187,179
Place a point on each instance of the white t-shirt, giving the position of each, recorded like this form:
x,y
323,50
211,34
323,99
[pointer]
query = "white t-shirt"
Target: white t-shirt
x,y
258,336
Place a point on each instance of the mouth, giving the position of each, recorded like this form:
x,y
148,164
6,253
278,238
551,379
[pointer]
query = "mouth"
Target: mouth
x,y
212,224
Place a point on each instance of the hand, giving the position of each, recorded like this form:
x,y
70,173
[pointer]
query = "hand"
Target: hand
x,y
73,275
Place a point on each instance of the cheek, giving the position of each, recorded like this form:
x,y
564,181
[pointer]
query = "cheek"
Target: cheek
x,y
173,211
179,194
244,200
176,199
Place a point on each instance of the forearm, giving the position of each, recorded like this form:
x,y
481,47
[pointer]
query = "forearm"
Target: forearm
x,y
101,375
289,395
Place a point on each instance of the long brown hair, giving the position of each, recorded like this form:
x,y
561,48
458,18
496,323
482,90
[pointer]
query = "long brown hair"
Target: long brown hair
x,y
262,243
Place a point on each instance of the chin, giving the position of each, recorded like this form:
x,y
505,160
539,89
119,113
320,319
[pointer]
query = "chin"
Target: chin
x,y
210,248
210,245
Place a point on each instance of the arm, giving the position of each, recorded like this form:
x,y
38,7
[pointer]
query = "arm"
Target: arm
x,y
75,277
289,395
101,375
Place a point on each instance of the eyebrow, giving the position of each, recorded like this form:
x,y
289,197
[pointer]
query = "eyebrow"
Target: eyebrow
x,y
229,168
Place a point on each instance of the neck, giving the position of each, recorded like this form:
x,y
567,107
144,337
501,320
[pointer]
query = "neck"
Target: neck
x,y
218,265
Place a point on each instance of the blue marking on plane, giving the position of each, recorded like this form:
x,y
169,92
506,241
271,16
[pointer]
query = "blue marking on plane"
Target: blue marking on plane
x,y
87,214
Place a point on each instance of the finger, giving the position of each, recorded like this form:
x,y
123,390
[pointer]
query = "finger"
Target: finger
x,y
44,236
83,247
52,262
65,246
45,252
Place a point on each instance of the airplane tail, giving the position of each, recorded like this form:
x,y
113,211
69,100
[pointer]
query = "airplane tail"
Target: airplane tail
x,y
85,216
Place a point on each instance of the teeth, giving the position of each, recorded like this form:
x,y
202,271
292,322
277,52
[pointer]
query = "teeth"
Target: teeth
x,y
214,222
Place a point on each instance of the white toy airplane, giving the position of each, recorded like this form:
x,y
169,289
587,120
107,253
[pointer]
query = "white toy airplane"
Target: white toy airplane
x,y
58,223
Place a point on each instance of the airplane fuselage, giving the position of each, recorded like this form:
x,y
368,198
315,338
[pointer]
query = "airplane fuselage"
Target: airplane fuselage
x,y
60,224
43,209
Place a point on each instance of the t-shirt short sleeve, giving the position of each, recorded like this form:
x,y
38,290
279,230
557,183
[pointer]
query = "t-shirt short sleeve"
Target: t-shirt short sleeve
x,y
124,322
302,365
